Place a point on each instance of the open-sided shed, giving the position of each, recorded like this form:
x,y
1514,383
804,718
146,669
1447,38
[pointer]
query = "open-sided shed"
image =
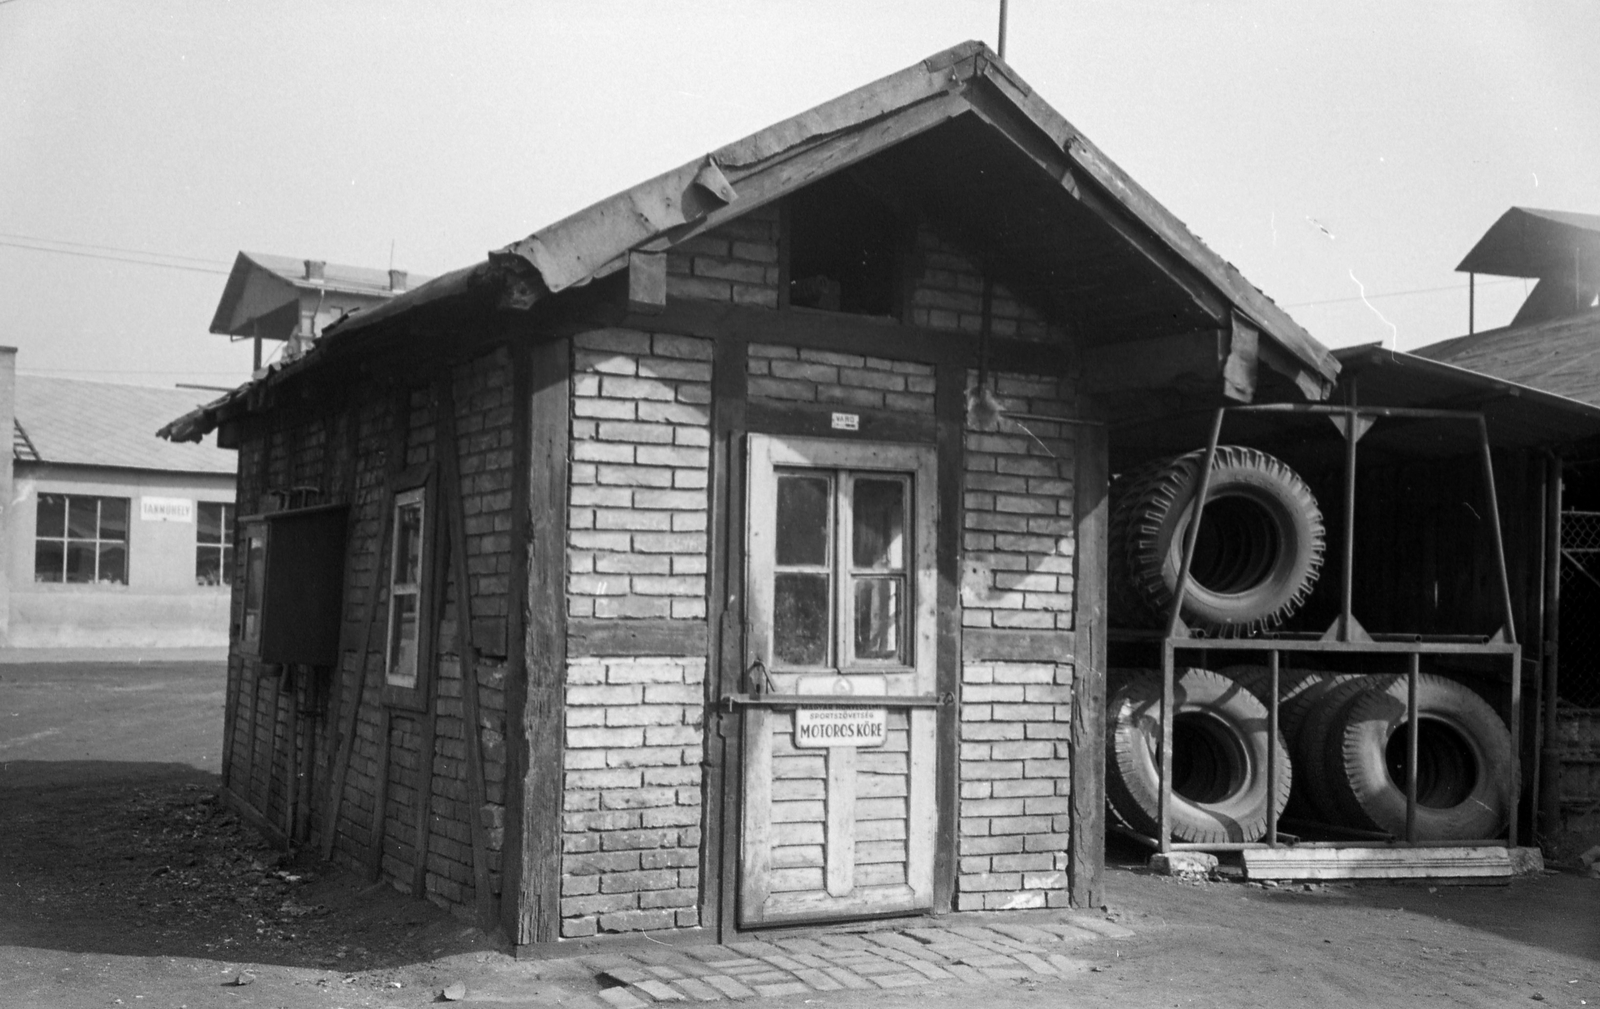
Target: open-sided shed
x,y
731,553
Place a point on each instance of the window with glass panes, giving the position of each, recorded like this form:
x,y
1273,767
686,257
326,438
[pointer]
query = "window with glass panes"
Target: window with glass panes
x,y
81,539
405,589
839,576
213,548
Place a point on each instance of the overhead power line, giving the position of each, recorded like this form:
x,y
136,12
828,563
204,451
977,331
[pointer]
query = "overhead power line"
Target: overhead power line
x,y
118,259
1402,294
113,248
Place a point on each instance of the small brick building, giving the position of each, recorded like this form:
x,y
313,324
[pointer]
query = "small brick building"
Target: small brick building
x,y
731,552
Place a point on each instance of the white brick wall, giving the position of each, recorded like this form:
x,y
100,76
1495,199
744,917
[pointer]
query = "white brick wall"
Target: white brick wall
x,y
640,457
631,825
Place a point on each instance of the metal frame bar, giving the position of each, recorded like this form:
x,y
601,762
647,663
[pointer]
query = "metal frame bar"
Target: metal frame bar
x,y
1346,641
779,700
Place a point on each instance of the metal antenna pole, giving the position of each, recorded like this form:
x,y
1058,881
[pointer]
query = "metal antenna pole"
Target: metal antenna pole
x,y
1001,52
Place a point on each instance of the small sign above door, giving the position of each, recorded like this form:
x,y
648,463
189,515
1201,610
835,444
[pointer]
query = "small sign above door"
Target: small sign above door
x,y
819,727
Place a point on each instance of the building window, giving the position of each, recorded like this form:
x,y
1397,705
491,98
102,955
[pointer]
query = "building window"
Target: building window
x,y
406,570
81,540
255,585
213,552
839,574
840,561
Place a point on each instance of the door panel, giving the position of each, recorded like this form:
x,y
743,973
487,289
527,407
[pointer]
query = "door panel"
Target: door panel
x,y
840,587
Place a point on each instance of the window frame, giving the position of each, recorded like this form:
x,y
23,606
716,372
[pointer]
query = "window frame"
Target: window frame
x,y
226,545
417,485
771,457
66,539
247,634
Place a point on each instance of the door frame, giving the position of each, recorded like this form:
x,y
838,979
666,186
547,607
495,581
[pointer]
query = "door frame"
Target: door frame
x,y
732,421
765,455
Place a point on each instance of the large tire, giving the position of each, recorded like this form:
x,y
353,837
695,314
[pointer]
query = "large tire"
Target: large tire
x,y
1318,749
1464,752
1126,606
1294,715
1260,546
1220,785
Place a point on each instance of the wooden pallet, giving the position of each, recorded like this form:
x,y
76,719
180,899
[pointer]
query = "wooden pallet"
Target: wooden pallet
x,y
1294,862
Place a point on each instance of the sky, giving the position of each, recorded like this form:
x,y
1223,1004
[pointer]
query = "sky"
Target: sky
x,y
1344,154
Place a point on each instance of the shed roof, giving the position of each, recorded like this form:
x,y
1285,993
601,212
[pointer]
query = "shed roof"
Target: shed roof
x,y
76,422
1527,242
1560,356
1518,414
963,138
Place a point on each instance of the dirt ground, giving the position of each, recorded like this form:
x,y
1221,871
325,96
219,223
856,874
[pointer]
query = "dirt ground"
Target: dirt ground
x,y
123,882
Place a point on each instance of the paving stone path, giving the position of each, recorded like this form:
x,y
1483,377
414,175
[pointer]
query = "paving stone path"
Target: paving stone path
x,y
888,958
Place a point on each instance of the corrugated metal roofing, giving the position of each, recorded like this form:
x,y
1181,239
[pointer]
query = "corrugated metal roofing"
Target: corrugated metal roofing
x,y
1560,356
1518,414
67,420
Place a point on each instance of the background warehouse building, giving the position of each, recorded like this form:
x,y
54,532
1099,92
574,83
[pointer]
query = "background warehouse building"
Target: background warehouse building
x,y
606,498
112,538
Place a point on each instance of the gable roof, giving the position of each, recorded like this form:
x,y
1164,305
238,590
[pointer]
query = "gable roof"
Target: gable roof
x,y
959,132
1526,242
71,421
260,284
1560,356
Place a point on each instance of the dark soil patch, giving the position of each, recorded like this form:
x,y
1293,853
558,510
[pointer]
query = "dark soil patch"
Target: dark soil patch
x,y
143,860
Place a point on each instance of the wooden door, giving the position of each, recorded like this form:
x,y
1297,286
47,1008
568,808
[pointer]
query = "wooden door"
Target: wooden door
x,y
839,813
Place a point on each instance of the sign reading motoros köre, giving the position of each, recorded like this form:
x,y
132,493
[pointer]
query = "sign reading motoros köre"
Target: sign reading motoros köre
x,y
816,727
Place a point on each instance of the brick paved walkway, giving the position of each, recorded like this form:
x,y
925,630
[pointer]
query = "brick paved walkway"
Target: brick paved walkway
x,y
891,958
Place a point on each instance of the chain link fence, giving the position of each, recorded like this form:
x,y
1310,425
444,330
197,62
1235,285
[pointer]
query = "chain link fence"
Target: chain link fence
x,y
1580,609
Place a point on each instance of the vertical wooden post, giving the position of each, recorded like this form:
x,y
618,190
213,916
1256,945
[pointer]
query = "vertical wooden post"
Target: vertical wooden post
x,y
471,718
1090,488
394,463
724,657
514,792
1550,754
949,407
543,722
1413,671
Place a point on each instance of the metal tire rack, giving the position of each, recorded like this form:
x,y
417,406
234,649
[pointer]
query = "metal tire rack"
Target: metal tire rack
x,y
1345,637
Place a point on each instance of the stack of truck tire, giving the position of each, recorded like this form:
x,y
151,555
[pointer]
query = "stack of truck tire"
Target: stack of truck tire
x,y
1343,737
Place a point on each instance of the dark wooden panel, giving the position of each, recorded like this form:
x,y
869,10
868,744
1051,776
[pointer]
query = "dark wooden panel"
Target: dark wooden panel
x,y
543,725
992,644
303,598
805,419
591,637
1086,847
